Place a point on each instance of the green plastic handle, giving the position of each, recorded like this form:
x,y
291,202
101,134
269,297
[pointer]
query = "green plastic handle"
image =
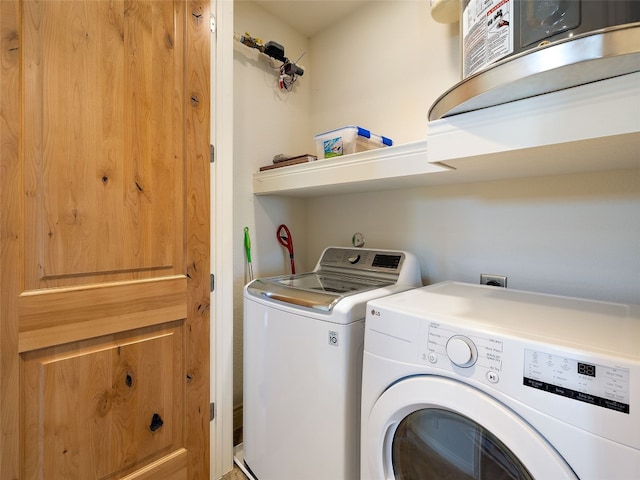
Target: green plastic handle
x,y
247,244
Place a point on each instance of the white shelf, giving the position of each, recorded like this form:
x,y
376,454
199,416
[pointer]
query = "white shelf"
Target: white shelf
x,y
592,127
386,167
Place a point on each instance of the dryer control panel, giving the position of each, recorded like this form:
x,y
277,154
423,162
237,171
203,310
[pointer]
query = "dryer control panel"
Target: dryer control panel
x,y
601,385
482,351
480,355
572,359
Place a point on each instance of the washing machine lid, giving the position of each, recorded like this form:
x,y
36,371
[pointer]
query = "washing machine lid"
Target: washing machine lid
x,y
316,291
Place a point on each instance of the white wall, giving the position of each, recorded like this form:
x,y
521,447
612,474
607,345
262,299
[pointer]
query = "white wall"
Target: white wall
x,y
382,68
267,122
570,235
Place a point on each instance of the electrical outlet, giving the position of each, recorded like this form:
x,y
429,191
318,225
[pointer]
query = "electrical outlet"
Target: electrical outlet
x,y
493,280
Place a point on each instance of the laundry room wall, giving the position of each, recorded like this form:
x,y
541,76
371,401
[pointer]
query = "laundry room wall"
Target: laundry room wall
x,y
576,235
379,67
382,67
569,234
267,121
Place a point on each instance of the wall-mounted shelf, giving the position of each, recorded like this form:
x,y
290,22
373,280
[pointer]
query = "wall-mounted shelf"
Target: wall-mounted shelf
x,y
587,128
383,168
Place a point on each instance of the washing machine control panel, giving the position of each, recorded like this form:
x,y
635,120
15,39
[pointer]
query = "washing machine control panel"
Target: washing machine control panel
x,y
357,260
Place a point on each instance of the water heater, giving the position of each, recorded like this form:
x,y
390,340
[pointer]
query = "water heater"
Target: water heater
x,y
493,30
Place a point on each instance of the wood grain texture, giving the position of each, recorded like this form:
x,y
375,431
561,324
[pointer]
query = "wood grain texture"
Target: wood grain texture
x,y
171,467
104,240
56,316
197,57
11,212
98,409
106,190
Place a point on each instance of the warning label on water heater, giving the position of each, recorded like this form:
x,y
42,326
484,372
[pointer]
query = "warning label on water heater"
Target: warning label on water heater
x,y
487,33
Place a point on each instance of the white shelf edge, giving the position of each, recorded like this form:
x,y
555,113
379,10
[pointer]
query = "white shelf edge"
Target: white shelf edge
x,y
588,128
601,109
339,173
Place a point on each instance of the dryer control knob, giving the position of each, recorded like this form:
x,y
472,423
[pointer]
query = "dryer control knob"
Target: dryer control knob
x,y
355,259
461,351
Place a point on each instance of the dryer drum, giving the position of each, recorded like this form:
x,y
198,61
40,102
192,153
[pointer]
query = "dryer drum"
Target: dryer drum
x,y
493,30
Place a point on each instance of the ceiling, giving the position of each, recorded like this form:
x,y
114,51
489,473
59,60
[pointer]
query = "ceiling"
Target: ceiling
x,y
309,17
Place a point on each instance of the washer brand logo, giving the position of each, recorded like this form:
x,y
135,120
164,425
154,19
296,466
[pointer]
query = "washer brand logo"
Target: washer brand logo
x,y
375,313
333,339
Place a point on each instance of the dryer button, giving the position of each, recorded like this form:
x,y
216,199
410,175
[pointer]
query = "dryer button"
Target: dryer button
x,y
493,377
433,358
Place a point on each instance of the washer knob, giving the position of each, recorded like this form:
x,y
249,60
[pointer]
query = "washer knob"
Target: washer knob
x,y
461,351
355,259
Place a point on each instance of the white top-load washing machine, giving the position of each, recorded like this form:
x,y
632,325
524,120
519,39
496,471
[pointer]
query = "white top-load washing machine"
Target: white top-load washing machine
x,y
303,344
473,382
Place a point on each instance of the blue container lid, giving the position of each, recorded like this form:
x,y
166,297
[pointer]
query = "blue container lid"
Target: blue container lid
x,y
362,132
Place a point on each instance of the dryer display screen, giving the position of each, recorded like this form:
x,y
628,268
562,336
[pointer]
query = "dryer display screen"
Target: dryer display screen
x,y
600,385
587,369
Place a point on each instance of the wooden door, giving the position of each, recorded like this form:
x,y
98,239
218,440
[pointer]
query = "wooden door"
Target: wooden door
x,y
104,239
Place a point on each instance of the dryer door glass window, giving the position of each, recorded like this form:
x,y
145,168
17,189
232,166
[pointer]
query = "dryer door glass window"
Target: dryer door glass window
x,y
436,443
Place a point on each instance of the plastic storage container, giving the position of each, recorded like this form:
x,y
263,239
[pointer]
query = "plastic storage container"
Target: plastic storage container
x,y
347,140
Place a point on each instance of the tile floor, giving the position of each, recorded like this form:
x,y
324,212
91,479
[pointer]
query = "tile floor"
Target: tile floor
x,y
235,474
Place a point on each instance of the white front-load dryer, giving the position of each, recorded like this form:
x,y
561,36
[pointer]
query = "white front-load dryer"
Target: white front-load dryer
x,y
474,382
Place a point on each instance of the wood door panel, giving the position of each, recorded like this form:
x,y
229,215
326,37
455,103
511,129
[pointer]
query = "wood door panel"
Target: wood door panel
x,y
97,409
57,316
104,156
169,467
104,239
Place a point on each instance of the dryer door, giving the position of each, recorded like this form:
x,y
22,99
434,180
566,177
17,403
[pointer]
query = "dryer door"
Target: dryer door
x,y
429,427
